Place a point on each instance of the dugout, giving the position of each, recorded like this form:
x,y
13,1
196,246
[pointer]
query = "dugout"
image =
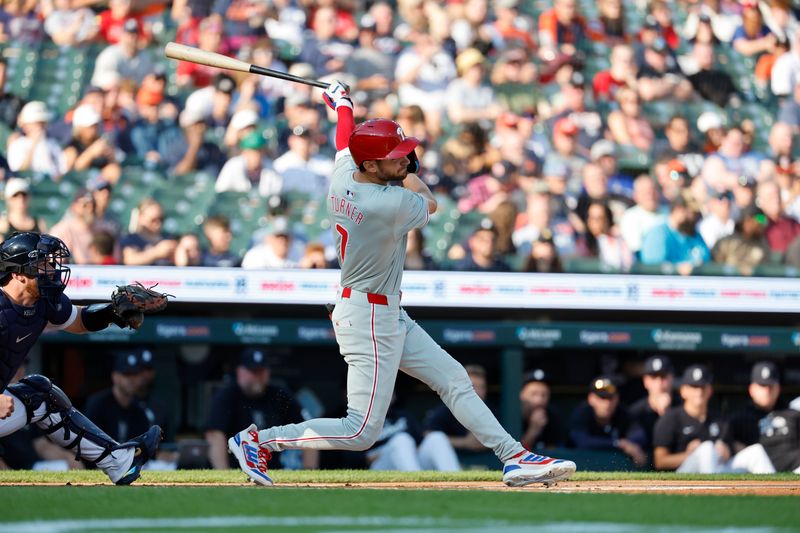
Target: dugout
x,y
573,326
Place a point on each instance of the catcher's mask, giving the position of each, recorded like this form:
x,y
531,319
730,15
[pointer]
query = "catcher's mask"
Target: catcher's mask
x,y
40,256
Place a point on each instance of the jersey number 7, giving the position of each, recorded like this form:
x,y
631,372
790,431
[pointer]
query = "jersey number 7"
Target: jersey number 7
x,y
343,245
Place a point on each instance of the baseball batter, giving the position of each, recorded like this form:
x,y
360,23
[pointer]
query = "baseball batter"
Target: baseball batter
x,y
370,220
32,282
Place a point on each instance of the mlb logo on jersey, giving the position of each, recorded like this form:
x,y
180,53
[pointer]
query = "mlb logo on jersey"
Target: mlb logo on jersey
x,y
350,194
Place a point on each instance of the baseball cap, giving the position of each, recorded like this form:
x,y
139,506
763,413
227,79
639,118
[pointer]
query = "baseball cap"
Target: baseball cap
x,y
709,120
149,96
131,361
191,115
253,141
650,23
764,373
565,126
555,168
577,79
301,131
367,22
82,194
85,116
253,358
279,226
746,181
244,118
16,186
224,83
34,111
131,26
603,386
469,58
659,45
537,375
658,365
696,376
677,170
602,148
753,211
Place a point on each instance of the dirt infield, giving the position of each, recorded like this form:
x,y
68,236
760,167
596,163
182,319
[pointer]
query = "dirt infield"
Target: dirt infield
x,y
722,487
714,487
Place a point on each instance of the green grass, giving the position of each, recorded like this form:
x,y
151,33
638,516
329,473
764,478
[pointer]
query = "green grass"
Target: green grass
x,y
250,508
355,476
456,509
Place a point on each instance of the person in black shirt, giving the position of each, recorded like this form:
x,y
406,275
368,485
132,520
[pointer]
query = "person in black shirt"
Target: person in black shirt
x,y
600,423
10,104
658,379
117,410
481,252
541,426
250,400
746,426
713,85
765,389
687,438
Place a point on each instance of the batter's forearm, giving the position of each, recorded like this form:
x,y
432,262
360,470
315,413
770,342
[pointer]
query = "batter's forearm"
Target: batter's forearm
x,y
414,184
344,126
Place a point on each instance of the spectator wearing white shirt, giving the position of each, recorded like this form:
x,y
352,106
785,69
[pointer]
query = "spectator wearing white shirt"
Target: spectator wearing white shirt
x,y
124,58
248,170
717,222
70,26
34,150
422,73
469,99
786,71
643,216
273,251
300,169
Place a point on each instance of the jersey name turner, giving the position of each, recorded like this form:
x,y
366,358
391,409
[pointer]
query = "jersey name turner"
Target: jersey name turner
x,y
342,206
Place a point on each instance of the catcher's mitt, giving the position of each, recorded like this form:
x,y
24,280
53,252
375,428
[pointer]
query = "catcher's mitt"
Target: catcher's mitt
x,y
132,302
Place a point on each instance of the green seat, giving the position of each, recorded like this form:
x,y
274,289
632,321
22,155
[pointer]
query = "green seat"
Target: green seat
x,y
716,269
773,270
654,270
585,265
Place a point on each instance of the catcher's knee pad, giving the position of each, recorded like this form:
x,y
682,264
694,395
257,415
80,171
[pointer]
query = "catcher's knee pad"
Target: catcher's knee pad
x,y
35,390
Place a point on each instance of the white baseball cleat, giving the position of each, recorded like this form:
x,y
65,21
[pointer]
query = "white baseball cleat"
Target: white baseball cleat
x,y
527,467
252,458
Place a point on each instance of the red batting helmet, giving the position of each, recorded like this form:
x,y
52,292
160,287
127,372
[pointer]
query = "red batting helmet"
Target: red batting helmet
x,y
380,139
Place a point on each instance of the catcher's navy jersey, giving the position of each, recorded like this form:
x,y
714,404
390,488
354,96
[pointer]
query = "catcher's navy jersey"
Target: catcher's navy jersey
x,y
20,328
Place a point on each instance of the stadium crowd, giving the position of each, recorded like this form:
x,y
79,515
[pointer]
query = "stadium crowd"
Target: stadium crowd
x,y
617,136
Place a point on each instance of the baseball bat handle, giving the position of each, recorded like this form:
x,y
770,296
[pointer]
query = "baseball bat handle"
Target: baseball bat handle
x,y
212,59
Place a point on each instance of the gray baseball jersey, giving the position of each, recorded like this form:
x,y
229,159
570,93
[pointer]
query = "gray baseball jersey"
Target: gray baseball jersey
x,y
376,336
370,223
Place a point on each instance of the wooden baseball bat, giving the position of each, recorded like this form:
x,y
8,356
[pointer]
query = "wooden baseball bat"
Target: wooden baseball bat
x,y
212,59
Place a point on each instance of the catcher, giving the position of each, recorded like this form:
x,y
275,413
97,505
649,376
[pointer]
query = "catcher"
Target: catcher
x,y
32,281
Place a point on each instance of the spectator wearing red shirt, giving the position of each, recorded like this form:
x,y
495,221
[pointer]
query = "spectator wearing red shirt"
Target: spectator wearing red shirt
x,y
113,19
781,229
663,15
210,38
622,72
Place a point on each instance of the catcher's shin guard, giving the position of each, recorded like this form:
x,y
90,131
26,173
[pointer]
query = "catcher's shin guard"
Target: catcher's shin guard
x,y
61,422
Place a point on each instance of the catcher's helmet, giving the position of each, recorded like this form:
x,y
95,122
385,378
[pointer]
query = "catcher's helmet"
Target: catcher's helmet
x,y
37,255
379,138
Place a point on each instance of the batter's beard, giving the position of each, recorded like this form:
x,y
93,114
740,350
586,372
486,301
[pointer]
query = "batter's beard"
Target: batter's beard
x,y
383,177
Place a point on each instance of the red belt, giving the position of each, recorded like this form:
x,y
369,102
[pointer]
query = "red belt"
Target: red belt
x,y
379,299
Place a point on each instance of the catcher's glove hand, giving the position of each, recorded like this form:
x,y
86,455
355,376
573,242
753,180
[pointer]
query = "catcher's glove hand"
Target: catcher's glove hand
x,y
131,302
